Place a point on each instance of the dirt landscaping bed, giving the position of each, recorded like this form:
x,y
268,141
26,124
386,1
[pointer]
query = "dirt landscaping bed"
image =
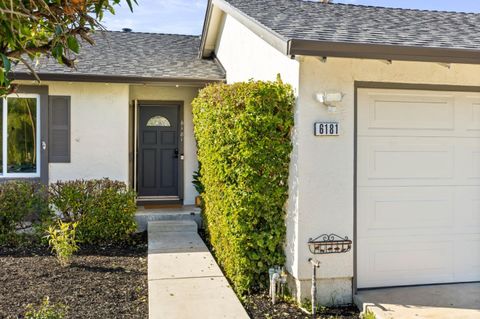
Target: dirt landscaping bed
x,y
102,282
259,306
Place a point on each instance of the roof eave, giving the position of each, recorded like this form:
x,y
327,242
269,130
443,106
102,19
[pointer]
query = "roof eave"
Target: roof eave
x,y
114,79
206,23
382,52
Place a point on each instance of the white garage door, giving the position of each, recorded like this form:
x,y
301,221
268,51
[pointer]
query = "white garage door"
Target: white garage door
x,y
418,203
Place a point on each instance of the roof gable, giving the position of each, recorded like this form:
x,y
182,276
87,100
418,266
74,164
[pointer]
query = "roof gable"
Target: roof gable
x,y
344,30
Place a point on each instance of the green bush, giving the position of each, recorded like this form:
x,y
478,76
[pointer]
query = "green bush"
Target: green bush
x,y
21,202
104,209
244,139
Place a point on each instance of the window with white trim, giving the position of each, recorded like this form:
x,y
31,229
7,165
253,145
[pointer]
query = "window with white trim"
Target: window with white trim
x,y
20,136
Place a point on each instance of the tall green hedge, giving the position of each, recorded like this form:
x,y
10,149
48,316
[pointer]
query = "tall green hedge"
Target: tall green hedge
x,y
243,132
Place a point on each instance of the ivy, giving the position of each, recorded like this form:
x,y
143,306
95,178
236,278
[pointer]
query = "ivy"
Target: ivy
x,y
243,132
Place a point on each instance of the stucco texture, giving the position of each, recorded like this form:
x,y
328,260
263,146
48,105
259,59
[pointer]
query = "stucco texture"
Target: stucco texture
x,y
99,131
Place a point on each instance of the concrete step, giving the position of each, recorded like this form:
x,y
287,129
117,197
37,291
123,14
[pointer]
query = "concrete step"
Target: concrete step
x,y
168,226
143,216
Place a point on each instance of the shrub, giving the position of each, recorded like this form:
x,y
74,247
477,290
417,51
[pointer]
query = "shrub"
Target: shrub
x,y
62,240
243,133
104,209
46,311
21,202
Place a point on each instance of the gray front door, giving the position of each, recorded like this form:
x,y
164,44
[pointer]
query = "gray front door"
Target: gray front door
x,y
158,150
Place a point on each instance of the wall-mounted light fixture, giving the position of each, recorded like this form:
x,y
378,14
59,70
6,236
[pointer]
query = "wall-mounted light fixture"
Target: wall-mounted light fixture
x,y
328,99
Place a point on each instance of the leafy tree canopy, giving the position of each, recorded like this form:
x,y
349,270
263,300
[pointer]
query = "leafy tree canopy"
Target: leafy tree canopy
x,y
30,28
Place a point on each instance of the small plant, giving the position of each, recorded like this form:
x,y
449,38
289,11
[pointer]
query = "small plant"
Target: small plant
x,y
197,183
368,315
306,305
46,311
61,238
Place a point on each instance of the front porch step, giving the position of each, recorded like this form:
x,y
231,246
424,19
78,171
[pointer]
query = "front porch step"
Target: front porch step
x,y
184,213
168,226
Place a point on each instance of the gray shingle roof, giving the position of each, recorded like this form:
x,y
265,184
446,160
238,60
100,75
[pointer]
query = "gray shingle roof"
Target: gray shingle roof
x,y
309,20
141,55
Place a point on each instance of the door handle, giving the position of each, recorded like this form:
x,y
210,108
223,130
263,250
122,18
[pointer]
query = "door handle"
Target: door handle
x,y
175,153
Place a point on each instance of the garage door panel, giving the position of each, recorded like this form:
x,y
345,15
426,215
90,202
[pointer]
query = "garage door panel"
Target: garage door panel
x,y
407,262
467,211
403,161
392,211
467,260
418,187
410,111
473,115
410,161
474,158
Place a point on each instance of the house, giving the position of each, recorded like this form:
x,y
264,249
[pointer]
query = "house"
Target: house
x,y
401,178
89,118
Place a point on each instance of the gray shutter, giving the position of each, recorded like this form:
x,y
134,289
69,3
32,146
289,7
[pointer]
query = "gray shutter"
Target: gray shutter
x,y
59,129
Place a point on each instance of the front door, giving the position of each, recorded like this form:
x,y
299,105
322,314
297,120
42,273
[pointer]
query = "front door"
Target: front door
x,y
158,151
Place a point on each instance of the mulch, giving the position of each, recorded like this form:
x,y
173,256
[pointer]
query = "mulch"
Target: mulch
x,y
259,306
101,282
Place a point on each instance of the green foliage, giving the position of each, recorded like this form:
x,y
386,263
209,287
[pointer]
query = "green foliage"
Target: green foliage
x,y
368,315
51,27
46,311
62,240
21,201
243,133
197,182
104,209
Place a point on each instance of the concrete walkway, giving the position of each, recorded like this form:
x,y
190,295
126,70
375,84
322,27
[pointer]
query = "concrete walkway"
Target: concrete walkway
x,y
456,301
184,281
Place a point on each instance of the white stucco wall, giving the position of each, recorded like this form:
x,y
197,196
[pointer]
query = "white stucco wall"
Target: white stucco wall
x,y
326,164
246,56
99,131
185,94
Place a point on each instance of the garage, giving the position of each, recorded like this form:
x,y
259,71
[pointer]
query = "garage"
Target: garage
x,y
418,187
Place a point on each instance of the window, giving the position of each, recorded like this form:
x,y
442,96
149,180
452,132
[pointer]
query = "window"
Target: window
x,y
159,121
20,136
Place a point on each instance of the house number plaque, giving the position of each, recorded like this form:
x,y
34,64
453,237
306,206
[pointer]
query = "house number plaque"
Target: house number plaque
x,y
327,129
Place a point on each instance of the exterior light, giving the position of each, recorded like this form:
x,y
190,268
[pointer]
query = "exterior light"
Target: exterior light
x,y
328,99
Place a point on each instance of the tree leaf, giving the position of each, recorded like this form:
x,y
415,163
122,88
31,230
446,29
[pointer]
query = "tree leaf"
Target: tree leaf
x,y
72,44
6,63
57,52
58,30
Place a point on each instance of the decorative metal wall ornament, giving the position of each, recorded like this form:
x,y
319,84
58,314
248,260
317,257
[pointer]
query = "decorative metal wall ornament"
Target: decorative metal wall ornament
x,y
329,244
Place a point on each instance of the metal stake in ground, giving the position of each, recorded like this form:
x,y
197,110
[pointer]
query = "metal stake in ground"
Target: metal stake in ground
x,y
315,265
